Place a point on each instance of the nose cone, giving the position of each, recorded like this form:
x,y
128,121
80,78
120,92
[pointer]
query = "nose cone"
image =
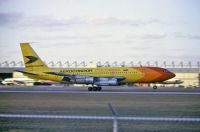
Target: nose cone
x,y
166,75
172,75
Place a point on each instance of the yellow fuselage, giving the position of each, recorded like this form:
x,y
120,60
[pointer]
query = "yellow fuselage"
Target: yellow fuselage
x,y
131,74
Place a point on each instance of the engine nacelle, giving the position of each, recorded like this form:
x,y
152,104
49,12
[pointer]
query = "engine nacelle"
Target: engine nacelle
x,y
106,82
84,79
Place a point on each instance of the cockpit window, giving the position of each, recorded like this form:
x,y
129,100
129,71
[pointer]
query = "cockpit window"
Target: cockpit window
x,y
166,71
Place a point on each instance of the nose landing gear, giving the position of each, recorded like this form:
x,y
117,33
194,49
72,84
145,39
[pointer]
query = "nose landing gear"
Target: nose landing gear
x,y
94,88
155,87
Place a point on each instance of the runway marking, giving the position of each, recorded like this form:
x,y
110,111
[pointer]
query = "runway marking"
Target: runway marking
x,y
101,117
103,92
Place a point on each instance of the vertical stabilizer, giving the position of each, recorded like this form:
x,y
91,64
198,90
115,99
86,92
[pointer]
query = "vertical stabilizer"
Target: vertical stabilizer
x,y
31,59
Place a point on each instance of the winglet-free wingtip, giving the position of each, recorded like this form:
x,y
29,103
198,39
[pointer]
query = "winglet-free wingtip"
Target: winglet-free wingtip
x,y
23,43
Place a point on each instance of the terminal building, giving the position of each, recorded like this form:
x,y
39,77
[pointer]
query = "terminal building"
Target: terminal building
x,y
190,75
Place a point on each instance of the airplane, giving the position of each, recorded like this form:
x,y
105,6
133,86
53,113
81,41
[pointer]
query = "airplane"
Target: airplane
x,y
35,68
17,81
173,82
25,81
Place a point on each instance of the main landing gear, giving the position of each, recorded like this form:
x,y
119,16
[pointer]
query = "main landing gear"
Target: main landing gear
x,y
94,88
155,87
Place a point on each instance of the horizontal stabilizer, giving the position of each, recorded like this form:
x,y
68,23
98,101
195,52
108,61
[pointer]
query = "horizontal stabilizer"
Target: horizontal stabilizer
x,y
27,73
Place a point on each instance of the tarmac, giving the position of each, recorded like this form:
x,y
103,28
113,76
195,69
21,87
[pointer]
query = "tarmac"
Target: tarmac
x,y
61,108
105,90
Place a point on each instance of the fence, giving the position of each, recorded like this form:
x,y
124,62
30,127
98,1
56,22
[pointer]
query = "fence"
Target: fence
x,y
164,64
115,118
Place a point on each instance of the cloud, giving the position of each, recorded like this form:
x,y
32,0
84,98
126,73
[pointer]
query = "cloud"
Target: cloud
x,y
147,36
154,36
119,21
52,22
187,36
194,37
140,48
4,1
9,18
71,37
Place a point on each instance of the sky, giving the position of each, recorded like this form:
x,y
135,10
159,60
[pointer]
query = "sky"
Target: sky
x,y
101,30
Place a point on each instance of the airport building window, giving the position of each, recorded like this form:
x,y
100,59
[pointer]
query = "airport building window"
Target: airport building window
x,y
5,75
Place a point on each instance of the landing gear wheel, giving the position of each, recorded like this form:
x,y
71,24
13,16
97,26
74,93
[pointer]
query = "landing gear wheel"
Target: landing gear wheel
x,y
99,88
89,88
94,89
155,87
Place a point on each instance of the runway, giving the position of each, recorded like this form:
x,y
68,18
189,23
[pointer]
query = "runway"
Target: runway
x,y
106,90
103,92
72,117
58,108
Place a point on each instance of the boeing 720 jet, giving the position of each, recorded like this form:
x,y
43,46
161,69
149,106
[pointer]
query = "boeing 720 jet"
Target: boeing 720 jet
x,y
35,68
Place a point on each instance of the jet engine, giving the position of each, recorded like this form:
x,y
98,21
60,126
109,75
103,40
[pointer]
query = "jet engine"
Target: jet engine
x,y
83,79
99,81
106,81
